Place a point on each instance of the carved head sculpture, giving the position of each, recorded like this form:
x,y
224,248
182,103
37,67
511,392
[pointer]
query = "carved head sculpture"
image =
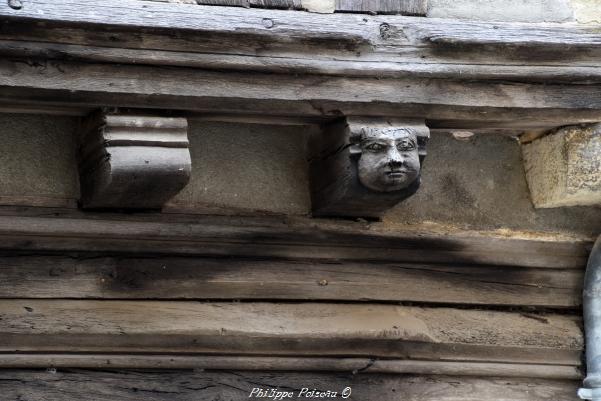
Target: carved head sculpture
x,y
388,157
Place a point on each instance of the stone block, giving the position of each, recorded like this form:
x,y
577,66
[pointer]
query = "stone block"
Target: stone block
x,y
503,10
564,168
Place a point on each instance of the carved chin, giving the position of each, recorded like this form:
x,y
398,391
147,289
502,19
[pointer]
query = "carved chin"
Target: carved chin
x,y
387,182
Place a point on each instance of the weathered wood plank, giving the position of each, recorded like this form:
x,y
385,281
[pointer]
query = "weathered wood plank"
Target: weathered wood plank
x,y
281,238
303,329
282,4
414,65
201,278
75,385
341,27
188,89
302,43
404,7
254,363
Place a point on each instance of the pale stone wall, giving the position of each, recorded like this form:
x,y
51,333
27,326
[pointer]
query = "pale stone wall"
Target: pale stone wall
x,y
37,159
242,168
248,167
580,11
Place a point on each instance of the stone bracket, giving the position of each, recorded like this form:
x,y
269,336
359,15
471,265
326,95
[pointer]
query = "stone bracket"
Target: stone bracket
x,y
132,161
361,167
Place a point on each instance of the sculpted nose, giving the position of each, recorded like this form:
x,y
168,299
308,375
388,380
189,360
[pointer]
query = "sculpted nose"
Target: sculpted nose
x,y
395,158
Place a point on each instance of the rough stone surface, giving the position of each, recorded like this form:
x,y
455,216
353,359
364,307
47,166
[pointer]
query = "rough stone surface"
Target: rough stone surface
x,y
503,10
587,11
480,184
37,160
251,167
564,169
477,183
319,6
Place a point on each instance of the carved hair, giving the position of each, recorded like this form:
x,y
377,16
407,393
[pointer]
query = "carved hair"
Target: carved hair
x,y
357,136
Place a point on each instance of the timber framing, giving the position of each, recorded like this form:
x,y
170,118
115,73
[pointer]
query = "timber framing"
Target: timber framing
x,y
152,290
203,59
108,385
46,229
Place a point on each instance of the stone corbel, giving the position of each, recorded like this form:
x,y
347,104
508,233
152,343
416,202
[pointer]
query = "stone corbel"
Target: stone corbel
x,y
132,161
361,167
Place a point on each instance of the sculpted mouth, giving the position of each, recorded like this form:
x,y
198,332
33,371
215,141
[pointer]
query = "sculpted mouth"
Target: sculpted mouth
x,y
396,173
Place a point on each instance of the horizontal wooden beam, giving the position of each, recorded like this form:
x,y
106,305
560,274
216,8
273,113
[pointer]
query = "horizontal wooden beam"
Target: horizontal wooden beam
x,y
482,104
287,26
107,385
404,7
303,329
327,65
122,277
432,67
300,43
276,237
298,364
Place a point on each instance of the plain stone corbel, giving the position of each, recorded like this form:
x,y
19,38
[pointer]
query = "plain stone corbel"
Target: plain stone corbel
x,y
361,167
132,161
564,168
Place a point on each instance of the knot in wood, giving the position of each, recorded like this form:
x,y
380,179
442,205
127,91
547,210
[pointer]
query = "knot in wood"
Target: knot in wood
x,y
385,30
268,23
15,4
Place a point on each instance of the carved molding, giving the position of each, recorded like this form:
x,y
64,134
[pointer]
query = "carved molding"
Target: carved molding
x,y
132,161
361,167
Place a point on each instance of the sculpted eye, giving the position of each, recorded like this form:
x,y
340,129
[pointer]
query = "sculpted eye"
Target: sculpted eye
x,y
405,146
374,147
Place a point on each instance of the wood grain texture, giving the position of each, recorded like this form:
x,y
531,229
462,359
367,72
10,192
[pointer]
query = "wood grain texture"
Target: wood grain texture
x,y
122,277
281,4
277,238
127,13
297,364
301,43
482,104
405,67
75,385
303,329
404,7
377,61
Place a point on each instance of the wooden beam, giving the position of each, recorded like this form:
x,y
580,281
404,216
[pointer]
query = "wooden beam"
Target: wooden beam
x,y
291,25
415,57
518,105
404,7
303,329
279,238
421,61
130,277
298,364
281,4
106,385
406,67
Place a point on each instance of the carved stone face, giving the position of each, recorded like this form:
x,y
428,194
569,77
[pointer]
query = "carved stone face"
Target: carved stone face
x,y
389,159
